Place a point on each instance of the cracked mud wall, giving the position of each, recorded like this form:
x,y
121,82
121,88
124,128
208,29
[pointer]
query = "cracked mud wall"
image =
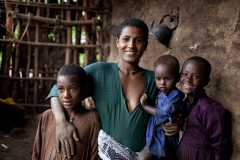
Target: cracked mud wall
x,y
207,28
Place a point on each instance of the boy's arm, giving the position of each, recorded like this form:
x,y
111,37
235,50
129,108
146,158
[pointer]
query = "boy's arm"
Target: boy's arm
x,y
36,153
216,128
64,130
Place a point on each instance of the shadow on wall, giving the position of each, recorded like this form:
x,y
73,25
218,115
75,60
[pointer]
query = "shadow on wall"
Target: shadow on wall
x,y
228,132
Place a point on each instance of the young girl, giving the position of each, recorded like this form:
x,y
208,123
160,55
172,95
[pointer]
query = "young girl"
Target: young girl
x,y
169,104
204,137
71,83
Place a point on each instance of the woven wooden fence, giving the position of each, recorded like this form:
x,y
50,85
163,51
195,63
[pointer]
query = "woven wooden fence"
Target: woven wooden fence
x,y
38,37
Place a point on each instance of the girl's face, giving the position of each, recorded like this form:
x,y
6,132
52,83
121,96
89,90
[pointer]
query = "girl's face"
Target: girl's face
x,y
165,77
131,44
193,77
70,91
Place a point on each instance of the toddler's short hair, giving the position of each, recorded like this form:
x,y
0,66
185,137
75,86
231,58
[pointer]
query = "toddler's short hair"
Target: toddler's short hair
x,y
168,59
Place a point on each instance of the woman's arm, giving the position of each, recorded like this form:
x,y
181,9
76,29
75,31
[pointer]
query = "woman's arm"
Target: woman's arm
x,y
64,130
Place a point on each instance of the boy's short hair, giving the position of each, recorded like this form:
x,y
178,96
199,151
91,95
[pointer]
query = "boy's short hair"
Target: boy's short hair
x,y
203,61
134,22
73,69
168,59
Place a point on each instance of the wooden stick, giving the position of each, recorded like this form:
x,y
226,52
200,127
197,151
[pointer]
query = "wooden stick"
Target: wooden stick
x,y
53,20
35,105
59,6
28,78
69,37
10,40
36,60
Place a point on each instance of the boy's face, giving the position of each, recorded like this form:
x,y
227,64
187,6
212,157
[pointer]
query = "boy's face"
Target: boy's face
x,y
131,44
165,77
193,77
70,91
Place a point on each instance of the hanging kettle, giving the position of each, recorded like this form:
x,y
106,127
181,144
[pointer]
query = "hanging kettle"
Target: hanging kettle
x,y
161,31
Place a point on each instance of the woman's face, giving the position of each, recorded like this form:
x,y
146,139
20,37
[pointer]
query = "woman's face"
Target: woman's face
x,y
131,44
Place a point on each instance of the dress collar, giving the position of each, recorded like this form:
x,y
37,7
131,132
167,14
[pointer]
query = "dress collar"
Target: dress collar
x,y
196,95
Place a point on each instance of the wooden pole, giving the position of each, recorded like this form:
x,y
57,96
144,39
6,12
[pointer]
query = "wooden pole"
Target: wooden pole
x,y
58,6
100,41
36,57
16,66
28,68
92,37
69,36
86,50
78,37
40,44
28,78
28,63
63,31
67,22
8,53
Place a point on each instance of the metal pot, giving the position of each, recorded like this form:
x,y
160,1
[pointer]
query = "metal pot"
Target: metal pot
x,y
161,31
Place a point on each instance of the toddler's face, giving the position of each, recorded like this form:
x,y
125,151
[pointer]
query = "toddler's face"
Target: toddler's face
x,y
193,77
165,77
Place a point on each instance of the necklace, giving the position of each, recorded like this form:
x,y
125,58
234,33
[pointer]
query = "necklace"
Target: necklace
x,y
130,72
71,118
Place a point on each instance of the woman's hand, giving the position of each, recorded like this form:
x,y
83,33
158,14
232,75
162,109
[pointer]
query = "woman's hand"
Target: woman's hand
x,y
65,133
173,129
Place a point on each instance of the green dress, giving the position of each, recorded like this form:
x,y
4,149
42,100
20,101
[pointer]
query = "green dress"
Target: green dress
x,y
127,128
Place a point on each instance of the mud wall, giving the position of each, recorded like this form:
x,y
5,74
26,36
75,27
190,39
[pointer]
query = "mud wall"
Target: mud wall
x,y
207,28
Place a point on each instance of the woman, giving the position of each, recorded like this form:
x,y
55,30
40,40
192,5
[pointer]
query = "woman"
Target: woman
x,y
116,89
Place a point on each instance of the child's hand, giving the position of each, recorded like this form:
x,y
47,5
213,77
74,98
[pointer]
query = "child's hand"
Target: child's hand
x,y
151,110
143,100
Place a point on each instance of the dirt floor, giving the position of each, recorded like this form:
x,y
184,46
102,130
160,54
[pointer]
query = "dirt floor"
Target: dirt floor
x,y
18,128
17,144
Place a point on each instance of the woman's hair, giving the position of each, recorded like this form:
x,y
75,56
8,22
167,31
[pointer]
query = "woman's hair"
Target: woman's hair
x,y
203,61
134,22
73,69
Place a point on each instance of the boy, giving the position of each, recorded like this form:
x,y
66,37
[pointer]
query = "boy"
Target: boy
x,y
71,83
205,131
